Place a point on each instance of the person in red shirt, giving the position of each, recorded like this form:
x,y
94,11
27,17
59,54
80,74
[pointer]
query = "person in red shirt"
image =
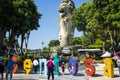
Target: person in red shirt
x,y
63,68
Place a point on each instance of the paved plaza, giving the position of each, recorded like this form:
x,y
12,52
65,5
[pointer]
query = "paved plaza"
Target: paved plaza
x,y
79,76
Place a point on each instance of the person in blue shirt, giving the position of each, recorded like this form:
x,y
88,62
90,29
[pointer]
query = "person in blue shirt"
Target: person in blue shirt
x,y
10,66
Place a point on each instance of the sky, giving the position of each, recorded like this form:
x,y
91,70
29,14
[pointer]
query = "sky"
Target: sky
x,y
49,28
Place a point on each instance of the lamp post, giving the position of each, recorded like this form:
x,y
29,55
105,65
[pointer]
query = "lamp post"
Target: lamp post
x,y
42,45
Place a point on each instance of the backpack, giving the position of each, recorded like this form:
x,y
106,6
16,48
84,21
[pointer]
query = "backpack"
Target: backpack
x,y
50,64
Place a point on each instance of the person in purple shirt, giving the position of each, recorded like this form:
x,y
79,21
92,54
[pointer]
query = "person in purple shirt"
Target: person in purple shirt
x,y
9,69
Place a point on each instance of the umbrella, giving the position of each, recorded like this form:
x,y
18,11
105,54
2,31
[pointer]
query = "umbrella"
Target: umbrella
x,y
117,53
115,57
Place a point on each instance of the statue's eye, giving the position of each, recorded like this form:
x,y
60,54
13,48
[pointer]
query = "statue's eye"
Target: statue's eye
x,y
62,11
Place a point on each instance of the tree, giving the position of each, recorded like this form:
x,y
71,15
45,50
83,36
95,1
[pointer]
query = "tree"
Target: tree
x,y
18,17
82,18
6,17
109,11
99,19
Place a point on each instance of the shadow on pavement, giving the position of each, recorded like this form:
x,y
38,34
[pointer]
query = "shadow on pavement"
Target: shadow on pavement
x,y
97,75
80,74
24,79
115,76
66,74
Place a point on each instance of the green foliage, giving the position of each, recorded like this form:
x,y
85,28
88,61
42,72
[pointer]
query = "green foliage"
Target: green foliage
x,y
53,43
58,49
77,41
97,44
98,17
81,62
18,17
6,58
84,41
46,49
100,61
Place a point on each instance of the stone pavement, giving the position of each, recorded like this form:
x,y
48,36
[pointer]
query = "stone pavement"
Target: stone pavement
x,y
99,75
79,76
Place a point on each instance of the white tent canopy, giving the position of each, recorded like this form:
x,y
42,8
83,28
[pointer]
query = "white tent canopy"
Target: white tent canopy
x,y
89,50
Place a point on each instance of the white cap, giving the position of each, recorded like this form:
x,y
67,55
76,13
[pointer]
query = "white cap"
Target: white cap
x,y
106,54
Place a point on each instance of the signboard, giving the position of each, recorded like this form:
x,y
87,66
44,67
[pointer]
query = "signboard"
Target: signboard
x,y
66,50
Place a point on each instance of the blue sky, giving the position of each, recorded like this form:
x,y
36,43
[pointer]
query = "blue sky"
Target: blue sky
x,y
49,29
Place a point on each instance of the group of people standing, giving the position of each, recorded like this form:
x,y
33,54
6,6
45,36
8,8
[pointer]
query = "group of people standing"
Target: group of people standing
x,y
9,67
50,66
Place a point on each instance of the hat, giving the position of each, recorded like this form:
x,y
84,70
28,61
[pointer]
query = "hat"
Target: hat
x,y
106,54
117,53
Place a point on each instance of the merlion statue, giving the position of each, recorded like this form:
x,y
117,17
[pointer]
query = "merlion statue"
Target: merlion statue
x,y
66,33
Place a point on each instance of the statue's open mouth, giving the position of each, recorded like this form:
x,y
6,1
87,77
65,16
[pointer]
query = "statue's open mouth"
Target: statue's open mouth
x,y
61,10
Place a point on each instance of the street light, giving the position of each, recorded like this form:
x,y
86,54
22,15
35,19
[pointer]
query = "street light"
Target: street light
x,y
42,45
